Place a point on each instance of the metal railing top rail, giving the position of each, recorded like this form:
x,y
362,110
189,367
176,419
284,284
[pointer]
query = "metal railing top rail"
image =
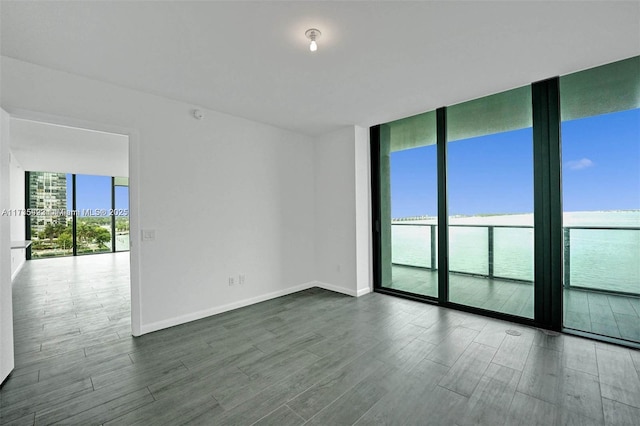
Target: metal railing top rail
x,y
606,228
468,225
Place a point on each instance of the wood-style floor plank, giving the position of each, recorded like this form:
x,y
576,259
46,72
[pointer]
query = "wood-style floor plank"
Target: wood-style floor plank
x,y
616,413
541,374
353,404
330,388
465,374
176,409
283,416
490,401
619,379
526,410
514,350
579,397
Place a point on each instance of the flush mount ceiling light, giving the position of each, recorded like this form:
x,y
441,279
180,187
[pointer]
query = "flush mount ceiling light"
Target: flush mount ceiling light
x,y
313,34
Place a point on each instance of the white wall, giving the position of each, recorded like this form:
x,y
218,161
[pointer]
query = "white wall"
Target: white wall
x,y
16,201
335,210
6,311
224,195
343,227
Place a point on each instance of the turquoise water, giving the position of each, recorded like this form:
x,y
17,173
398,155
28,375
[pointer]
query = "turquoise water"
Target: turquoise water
x,y
599,259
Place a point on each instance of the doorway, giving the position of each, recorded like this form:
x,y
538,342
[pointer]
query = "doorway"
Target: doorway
x,y
90,210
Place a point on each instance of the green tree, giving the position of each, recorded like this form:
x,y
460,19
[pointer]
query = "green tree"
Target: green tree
x,y
122,224
82,231
49,232
58,229
101,236
65,240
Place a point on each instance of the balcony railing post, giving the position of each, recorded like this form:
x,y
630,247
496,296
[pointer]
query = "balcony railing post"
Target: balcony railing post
x,y
432,231
567,257
490,239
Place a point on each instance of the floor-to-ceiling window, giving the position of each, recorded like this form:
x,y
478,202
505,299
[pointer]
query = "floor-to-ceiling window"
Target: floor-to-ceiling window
x,y
409,162
601,199
70,214
490,203
537,203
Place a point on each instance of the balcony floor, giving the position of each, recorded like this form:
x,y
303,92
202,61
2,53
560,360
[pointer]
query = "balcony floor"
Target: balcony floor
x,y
605,314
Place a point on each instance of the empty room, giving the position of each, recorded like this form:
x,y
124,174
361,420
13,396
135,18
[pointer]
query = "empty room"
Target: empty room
x,y
319,212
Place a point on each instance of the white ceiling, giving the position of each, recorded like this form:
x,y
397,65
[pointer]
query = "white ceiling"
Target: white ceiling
x,y
377,61
51,148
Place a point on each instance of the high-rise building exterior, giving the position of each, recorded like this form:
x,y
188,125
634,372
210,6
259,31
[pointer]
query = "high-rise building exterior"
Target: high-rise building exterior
x,y
48,199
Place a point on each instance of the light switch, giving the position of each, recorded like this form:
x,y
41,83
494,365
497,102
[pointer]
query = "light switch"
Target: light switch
x,y
148,235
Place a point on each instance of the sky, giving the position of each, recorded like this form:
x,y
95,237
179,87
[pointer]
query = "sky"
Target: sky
x,y
494,173
94,193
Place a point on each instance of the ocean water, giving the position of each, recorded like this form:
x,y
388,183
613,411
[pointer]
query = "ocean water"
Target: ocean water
x,y
605,259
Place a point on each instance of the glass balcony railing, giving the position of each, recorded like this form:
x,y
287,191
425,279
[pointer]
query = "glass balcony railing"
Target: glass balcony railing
x,y
602,258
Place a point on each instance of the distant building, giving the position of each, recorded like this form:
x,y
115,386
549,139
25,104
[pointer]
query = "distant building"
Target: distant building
x,y
47,194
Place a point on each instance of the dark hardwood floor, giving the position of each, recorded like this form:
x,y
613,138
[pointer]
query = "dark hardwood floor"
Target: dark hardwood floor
x,y
313,357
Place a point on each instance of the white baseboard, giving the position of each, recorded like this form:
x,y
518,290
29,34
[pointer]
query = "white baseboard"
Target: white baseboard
x,y
194,316
363,291
171,322
347,291
337,289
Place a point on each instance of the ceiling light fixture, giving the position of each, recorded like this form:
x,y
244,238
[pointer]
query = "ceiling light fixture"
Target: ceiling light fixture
x,y
313,34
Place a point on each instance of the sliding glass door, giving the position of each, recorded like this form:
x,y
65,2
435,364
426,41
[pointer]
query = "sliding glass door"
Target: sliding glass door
x,y
409,165
490,203
489,171
601,199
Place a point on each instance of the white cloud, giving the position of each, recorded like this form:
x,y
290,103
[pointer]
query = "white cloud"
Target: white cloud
x,y
583,163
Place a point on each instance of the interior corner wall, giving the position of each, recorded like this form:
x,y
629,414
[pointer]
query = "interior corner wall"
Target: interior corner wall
x,y
342,211
16,202
225,195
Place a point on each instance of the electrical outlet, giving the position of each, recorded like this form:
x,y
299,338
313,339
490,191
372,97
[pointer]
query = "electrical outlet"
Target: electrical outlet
x,y
241,279
232,281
